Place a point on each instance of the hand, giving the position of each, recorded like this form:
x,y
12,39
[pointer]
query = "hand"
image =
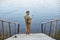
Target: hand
x,y
31,18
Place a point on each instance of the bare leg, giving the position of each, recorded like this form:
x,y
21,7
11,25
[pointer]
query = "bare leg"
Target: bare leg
x,y
27,29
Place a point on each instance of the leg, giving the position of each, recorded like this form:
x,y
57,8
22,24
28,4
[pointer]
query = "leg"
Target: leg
x,y
28,29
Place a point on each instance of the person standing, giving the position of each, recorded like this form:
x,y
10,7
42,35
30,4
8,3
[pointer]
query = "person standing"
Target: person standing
x,y
28,22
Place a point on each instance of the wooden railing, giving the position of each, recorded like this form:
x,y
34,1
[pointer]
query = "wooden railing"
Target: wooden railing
x,y
43,27
3,35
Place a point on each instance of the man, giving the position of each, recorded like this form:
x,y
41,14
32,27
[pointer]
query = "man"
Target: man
x,y
28,22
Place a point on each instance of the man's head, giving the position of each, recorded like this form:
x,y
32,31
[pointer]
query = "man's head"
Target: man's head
x,y
27,12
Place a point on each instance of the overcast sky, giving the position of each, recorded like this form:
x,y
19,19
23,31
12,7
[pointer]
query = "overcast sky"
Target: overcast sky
x,y
29,3
16,4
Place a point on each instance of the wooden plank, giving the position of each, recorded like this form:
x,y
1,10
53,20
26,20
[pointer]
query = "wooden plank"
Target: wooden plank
x,y
15,28
9,29
55,30
50,28
18,28
2,29
42,28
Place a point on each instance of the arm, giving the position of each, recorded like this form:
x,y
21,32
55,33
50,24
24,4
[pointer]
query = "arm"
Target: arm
x,y
29,20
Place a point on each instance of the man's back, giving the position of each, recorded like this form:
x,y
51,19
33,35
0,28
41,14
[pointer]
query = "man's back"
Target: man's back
x,y
26,17
28,22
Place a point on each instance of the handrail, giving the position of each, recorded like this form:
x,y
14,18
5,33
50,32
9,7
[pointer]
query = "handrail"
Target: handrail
x,y
2,22
52,21
43,26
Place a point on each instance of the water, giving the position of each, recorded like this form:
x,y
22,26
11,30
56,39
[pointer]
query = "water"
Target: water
x,y
40,11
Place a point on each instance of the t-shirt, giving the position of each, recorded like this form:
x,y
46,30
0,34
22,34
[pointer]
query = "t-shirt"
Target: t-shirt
x,y
26,17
